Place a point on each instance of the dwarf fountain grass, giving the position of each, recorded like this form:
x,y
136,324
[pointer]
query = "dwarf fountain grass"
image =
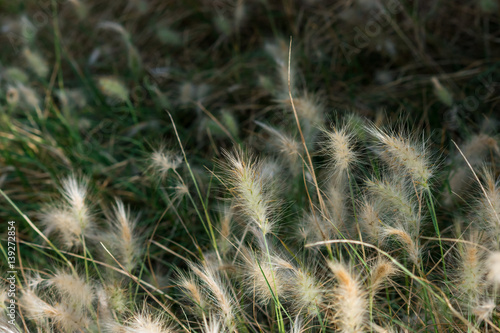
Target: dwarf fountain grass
x,y
123,238
72,288
220,296
350,300
251,191
72,217
307,293
404,154
371,217
192,289
61,315
265,278
339,150
207,56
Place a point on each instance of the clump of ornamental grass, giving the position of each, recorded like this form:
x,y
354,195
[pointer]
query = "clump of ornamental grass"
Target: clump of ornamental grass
x,y
371,258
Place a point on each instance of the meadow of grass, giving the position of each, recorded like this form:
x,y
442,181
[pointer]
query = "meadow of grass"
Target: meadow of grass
x,y
249,166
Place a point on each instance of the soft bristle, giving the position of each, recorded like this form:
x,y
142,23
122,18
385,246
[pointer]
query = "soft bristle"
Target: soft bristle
x,y
163,160
350,300
381,272
73,289
251,190
306,292
221,297
339,150
264,277
404,153
125,241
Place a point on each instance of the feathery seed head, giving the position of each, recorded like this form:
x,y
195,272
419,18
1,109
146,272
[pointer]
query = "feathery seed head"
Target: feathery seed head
x,y
489,204
75,192
264,277
29,97
225,223
62,220
191,288
350,300
71,219
409,242
338,147
116,297
213,325
370,219
402,154
470,271
67,318
279,52
306,292
162,160
296,325
251,190
395,196
146,322
285,145
73,289
15,74
335,200
220,296
442,93
476,150
381,271
484,310
314,228
123,239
